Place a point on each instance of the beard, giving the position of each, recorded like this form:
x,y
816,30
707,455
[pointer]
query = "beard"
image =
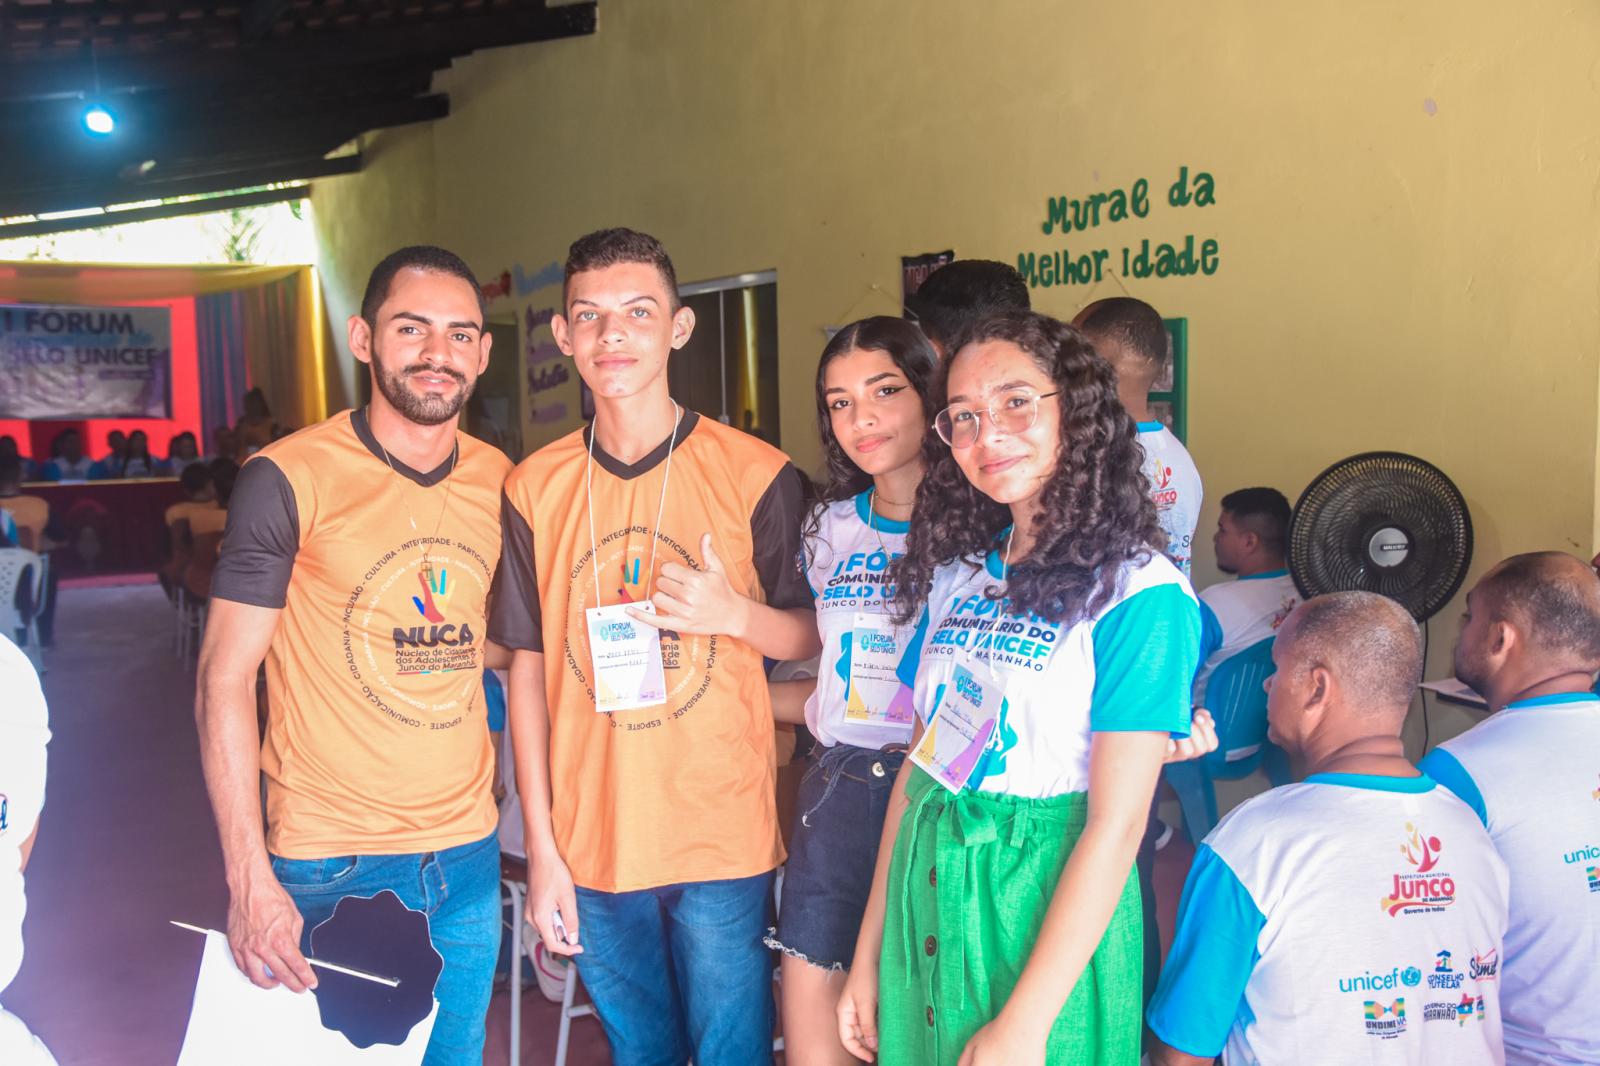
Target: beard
x,y
1468,671
424,410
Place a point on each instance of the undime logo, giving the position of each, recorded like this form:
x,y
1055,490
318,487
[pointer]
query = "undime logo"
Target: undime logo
x,y
1386,1020
1424,889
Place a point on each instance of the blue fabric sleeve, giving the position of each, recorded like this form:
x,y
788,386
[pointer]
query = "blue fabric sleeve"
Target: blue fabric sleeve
x,y
1210,631
494,701
907,670
1201,994
1446,769
1146,650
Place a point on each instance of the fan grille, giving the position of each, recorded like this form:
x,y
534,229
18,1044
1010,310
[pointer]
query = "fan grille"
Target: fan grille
x,y
1347,504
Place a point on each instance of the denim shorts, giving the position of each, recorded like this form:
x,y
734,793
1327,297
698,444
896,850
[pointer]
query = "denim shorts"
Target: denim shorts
x,y
833,851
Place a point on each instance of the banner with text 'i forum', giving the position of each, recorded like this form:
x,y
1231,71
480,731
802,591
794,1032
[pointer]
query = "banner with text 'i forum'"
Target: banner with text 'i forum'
x,y
85,362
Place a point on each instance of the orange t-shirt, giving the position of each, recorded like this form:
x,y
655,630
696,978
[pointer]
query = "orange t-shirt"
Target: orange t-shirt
x,y
28,512
376,742
207,518
684,791
185,510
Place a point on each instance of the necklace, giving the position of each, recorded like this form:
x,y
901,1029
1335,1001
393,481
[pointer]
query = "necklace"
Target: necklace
x,y
449,487
655,532
872,498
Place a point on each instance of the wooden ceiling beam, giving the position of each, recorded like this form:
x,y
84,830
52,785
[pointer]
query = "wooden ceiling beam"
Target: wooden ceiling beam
x,y
104,194
52,75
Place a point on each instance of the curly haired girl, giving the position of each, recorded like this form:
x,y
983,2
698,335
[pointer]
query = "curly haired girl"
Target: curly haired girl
x,y
1057,645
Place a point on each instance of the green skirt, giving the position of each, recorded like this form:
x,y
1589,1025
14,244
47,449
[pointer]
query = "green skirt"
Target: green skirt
x,y
969,883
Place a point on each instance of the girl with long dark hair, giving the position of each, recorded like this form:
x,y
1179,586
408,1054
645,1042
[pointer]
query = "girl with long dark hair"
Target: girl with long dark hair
x,y
874,383
1057,645
136,459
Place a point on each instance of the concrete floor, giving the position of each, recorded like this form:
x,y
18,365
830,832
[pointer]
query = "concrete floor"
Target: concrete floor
x,y
127,842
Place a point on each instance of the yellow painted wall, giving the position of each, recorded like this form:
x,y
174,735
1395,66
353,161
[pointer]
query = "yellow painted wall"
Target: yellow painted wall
x,y
389,205
1406,209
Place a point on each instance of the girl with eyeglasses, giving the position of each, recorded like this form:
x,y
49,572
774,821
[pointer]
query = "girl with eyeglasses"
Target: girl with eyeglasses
x,y
1055,649
874,386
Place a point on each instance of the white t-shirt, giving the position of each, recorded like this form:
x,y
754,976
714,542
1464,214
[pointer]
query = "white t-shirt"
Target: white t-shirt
x,y
1237,614
1127,669
24,732
846,560
1174,487
1532,773
1347,919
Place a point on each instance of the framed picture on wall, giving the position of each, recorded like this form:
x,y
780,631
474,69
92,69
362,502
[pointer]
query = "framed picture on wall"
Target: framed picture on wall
x,y
1169,398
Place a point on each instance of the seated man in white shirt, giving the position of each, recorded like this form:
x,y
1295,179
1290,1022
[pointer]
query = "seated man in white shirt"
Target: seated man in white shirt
x,y
1530,647
1130,335
1252,533
1313,912
24,732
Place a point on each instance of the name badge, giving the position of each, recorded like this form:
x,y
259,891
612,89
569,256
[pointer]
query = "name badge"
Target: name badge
x,y
961,726
627,658
875,650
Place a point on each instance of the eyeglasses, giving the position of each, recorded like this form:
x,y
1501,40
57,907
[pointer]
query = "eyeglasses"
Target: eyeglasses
x,y
1014,411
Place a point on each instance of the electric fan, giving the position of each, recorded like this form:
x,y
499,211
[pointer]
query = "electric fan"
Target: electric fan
x,y
1382,522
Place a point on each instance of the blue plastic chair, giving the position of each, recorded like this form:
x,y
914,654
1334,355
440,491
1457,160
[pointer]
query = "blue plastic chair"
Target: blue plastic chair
x,y
1238,702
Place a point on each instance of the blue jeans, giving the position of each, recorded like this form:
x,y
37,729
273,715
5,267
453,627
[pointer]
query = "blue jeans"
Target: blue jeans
x,y
458,889
680,971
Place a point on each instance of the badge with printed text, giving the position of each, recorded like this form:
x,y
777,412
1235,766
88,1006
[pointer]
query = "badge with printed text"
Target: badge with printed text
x,y
960,728
627,658
875,650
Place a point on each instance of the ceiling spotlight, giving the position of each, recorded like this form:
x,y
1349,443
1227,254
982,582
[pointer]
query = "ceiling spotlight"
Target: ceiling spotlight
x,y
99,121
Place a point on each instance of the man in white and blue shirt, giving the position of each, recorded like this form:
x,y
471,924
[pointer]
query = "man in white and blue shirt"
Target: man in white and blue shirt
x,y
1250,542
1131,336
1530,647
1356,916
24,733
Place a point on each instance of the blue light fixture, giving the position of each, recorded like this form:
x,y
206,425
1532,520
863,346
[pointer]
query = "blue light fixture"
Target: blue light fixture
x,y
98,121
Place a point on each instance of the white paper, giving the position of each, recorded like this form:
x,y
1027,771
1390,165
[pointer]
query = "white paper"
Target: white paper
x,y
236,1023
1452,689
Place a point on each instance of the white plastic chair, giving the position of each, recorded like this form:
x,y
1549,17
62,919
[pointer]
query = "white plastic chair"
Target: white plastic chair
x,y
15,564
569,992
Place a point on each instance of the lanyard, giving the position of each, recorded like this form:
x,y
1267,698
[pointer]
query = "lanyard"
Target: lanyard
x,y
655,531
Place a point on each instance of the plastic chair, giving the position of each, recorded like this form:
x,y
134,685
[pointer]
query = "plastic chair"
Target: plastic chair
x,y
194,593
1237,701
570,1009
16,566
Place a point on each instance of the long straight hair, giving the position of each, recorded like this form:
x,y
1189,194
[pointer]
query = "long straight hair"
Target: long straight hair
x,y
911,354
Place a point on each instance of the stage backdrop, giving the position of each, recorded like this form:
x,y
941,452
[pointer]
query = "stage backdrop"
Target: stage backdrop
x,y
66,361
231,327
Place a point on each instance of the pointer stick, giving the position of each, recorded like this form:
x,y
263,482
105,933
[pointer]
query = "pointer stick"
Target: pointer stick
x,y
335,967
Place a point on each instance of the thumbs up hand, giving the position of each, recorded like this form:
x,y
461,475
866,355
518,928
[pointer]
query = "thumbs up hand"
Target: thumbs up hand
x,y
701,601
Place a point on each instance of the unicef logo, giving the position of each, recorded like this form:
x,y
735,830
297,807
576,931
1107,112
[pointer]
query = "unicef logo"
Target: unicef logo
x,y
1412,977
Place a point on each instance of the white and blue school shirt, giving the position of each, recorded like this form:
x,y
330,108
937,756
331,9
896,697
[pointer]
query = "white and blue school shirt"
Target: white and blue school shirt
x,y
1126,669
1235,615
24,733
1174,489
847,560
1532,773
1347,919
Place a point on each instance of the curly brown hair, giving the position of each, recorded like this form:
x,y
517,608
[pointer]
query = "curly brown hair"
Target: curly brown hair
x,y
1095,513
